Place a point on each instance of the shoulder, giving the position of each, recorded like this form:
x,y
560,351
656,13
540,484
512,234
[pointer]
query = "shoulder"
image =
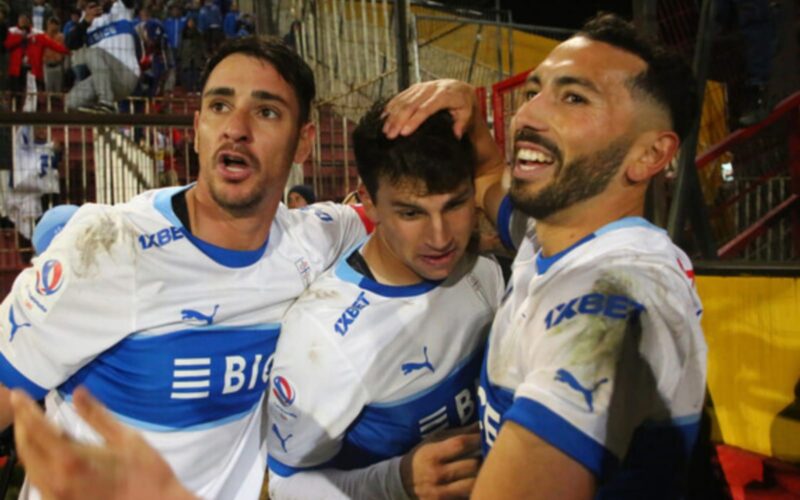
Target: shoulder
x,y
635,268
320,226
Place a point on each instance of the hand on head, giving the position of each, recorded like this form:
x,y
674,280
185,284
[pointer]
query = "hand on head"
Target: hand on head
x,y
410,108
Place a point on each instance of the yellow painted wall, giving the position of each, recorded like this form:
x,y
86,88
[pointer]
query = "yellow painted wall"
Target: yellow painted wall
x,y
752,326
529,50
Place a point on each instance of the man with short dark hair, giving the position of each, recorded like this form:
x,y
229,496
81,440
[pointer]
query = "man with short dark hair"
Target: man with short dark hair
x,y
392,364
168,307
595,374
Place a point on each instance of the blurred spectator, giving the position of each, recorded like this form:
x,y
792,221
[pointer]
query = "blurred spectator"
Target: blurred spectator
x,y
246,26
300,196
290,38
230,24
72,22
53,59
155,59
16,43
27,47
192,56
191,8
109,55
209,23
35,173
173,27
40,13
51,223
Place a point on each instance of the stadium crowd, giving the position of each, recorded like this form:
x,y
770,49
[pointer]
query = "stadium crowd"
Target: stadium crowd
x,y
103,51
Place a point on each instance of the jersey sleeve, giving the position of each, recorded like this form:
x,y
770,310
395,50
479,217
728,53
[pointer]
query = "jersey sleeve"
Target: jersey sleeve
x,y
315,395
512,225
602,356
380,480
75,302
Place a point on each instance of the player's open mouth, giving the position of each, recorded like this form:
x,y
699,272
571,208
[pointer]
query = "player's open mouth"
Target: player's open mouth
x,y
233,166
531,162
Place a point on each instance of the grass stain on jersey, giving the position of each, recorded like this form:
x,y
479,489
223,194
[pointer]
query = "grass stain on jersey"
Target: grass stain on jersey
x,y
102,233
602,335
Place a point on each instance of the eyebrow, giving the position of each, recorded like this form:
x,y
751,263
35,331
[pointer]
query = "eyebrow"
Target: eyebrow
x,y
459,198
563,81
261,95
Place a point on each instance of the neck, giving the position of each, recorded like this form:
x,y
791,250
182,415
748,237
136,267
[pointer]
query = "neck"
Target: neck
x,y
217,226
384,265
563,229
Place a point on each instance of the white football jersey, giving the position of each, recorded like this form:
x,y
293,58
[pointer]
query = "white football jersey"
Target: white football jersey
x,y
174,335
114,33
365,371
598,350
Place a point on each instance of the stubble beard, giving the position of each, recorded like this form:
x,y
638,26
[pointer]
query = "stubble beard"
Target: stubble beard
x,y
239,204
574,182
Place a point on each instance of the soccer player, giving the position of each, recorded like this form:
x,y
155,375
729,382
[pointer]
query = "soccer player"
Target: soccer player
x,y
595,373
385,349
168,307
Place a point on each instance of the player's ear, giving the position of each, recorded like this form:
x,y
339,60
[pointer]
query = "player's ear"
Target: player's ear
x,y
651,153
305,142
368,203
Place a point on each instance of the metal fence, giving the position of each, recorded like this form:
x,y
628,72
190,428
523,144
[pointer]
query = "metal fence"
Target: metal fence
x,y
351,46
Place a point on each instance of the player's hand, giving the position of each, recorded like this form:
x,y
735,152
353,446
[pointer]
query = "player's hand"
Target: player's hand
x,y
126,467
410,108
444,466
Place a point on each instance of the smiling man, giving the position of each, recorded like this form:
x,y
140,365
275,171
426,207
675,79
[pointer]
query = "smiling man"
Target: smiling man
x,y
385,349
595,373
168,307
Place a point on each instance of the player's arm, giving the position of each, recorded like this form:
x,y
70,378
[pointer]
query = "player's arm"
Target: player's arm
x,y
124,467
409,109
42,340
444,466
6,414
521,465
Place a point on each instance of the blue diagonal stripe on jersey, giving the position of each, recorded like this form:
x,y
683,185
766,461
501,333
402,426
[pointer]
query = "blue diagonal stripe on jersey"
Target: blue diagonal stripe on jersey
x,y
182,380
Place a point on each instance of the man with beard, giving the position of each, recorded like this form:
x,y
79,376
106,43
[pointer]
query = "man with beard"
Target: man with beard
x,y
595,374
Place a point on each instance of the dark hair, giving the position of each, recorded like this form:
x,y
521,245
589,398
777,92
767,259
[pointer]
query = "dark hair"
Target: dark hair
x,y
668,79
432,154
273,51
305,191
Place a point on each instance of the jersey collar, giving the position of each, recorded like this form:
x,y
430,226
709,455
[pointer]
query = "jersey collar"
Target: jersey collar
x,y
222,256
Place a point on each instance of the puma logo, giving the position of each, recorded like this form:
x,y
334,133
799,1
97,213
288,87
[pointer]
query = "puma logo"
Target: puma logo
x,y
281,438
14,325
563,375
410,367
191,314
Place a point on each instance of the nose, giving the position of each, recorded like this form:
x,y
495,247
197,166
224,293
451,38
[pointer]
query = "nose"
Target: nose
x,y
531,114
237,126
439,234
